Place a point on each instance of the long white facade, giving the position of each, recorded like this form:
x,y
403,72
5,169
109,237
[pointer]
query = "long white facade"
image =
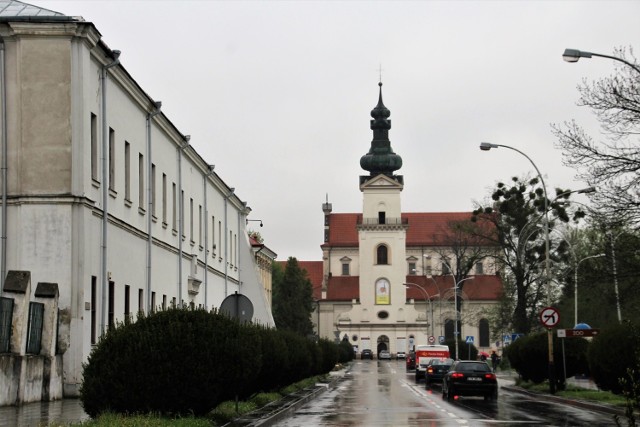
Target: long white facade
x,y
105,198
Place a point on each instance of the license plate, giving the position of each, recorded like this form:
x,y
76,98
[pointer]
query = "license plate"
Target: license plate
x,y
474,379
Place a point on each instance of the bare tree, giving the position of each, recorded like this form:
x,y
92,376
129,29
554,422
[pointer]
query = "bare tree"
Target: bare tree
x,y
613,162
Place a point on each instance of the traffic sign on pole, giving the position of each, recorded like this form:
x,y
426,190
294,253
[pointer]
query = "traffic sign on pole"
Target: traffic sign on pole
x,y
577,333
549,317
431,339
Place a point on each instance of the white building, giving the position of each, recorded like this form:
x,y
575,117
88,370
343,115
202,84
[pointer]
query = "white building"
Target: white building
x,y
386,279
107,209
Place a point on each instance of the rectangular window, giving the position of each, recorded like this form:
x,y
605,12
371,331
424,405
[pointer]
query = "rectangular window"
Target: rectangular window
x,y
213,234
174,208
153,189
200,230
94,319
141,180
34,328
164,198
127,302
191,236
381,218
140,300
153,302
445,267
112,320
345,269
479,268
127,171
220,235
112,159
182,214
164,302
94,147
173,302
412,268
6,314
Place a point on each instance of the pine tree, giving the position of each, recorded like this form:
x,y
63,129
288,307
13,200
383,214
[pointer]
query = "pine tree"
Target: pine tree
x,y
292,298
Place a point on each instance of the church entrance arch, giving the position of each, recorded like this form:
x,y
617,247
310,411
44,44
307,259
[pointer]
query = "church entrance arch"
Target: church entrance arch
x,y
383,343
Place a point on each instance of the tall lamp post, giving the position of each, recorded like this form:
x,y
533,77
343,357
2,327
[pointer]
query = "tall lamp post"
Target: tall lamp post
x,y
427,298
455,302
486,146
573,55
575,285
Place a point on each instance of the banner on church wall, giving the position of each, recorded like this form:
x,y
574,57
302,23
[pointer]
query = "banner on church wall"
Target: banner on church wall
x,y
382,292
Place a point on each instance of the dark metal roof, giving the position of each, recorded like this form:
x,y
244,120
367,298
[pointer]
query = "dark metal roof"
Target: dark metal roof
x,y
24,11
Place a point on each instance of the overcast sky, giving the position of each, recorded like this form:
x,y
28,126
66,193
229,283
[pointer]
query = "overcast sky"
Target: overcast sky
x,y
278,94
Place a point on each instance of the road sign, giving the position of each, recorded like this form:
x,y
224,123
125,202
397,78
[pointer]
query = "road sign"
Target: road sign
x,y
506,339
549,317
441,339
515,336
431,339
469,339
577,333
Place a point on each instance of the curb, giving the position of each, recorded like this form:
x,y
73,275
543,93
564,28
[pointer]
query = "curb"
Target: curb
x,y
281,412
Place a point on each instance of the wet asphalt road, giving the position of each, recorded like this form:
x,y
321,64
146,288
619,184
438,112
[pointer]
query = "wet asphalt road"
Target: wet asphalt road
x,y
382,393
37,414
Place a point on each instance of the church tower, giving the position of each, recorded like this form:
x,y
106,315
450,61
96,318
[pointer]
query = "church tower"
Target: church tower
x,y
381,230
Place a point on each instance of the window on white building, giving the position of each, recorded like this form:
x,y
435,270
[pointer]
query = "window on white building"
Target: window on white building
x,y
479,268
382,255
94,147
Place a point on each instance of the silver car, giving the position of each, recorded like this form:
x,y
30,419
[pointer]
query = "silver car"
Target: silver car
x,y
384,354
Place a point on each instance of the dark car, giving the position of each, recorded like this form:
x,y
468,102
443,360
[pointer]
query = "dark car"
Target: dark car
x,y
470,378
436,370
366,354
411,361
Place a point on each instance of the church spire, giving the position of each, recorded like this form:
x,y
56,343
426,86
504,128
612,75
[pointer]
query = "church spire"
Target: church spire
x,y
380,159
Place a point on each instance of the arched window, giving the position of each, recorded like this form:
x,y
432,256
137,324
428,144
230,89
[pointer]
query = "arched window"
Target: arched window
x,y
382,255
483,331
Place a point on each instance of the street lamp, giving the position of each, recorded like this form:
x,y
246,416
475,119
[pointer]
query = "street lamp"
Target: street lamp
x,y
573,55
455,301
486,146
427,298
575,285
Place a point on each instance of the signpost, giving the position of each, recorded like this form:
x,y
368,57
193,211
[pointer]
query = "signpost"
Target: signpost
x,y
577,333
469,341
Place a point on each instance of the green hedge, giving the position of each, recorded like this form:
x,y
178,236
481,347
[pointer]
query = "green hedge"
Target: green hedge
x,y
612,352
187,361
529,356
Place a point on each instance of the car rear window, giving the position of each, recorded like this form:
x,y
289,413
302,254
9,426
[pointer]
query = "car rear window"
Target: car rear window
x,y
473,367
442,361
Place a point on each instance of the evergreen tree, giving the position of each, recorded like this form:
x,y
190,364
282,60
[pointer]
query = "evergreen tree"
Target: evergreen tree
x,y
292,298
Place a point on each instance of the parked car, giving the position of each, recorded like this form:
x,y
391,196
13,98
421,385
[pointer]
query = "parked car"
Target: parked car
x,y
401,355
436,370
384,355
366,354
411,361
470,378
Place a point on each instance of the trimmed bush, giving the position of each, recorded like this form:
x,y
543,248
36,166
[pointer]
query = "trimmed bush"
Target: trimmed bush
x,y
529,356
186,362
611,353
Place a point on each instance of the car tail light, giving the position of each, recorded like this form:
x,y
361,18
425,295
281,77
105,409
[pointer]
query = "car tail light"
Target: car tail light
x,y
490,376
430,370
457,375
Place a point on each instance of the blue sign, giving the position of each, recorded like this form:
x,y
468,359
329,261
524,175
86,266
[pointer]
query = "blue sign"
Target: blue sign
x,y
506,339
469,339
441,339
516,336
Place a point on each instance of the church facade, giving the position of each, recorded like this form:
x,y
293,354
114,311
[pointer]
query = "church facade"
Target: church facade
x,y
389,279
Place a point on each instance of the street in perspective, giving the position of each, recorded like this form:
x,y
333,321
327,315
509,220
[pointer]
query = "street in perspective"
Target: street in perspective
x,y
384,393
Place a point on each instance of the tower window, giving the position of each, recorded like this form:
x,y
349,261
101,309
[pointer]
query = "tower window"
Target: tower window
x,y
382,255
381,218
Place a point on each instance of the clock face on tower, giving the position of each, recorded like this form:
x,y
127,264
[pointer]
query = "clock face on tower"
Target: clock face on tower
x,y
383,289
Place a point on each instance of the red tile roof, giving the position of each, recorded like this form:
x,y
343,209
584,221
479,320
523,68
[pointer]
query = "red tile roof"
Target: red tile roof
x,y
314,274
425,228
